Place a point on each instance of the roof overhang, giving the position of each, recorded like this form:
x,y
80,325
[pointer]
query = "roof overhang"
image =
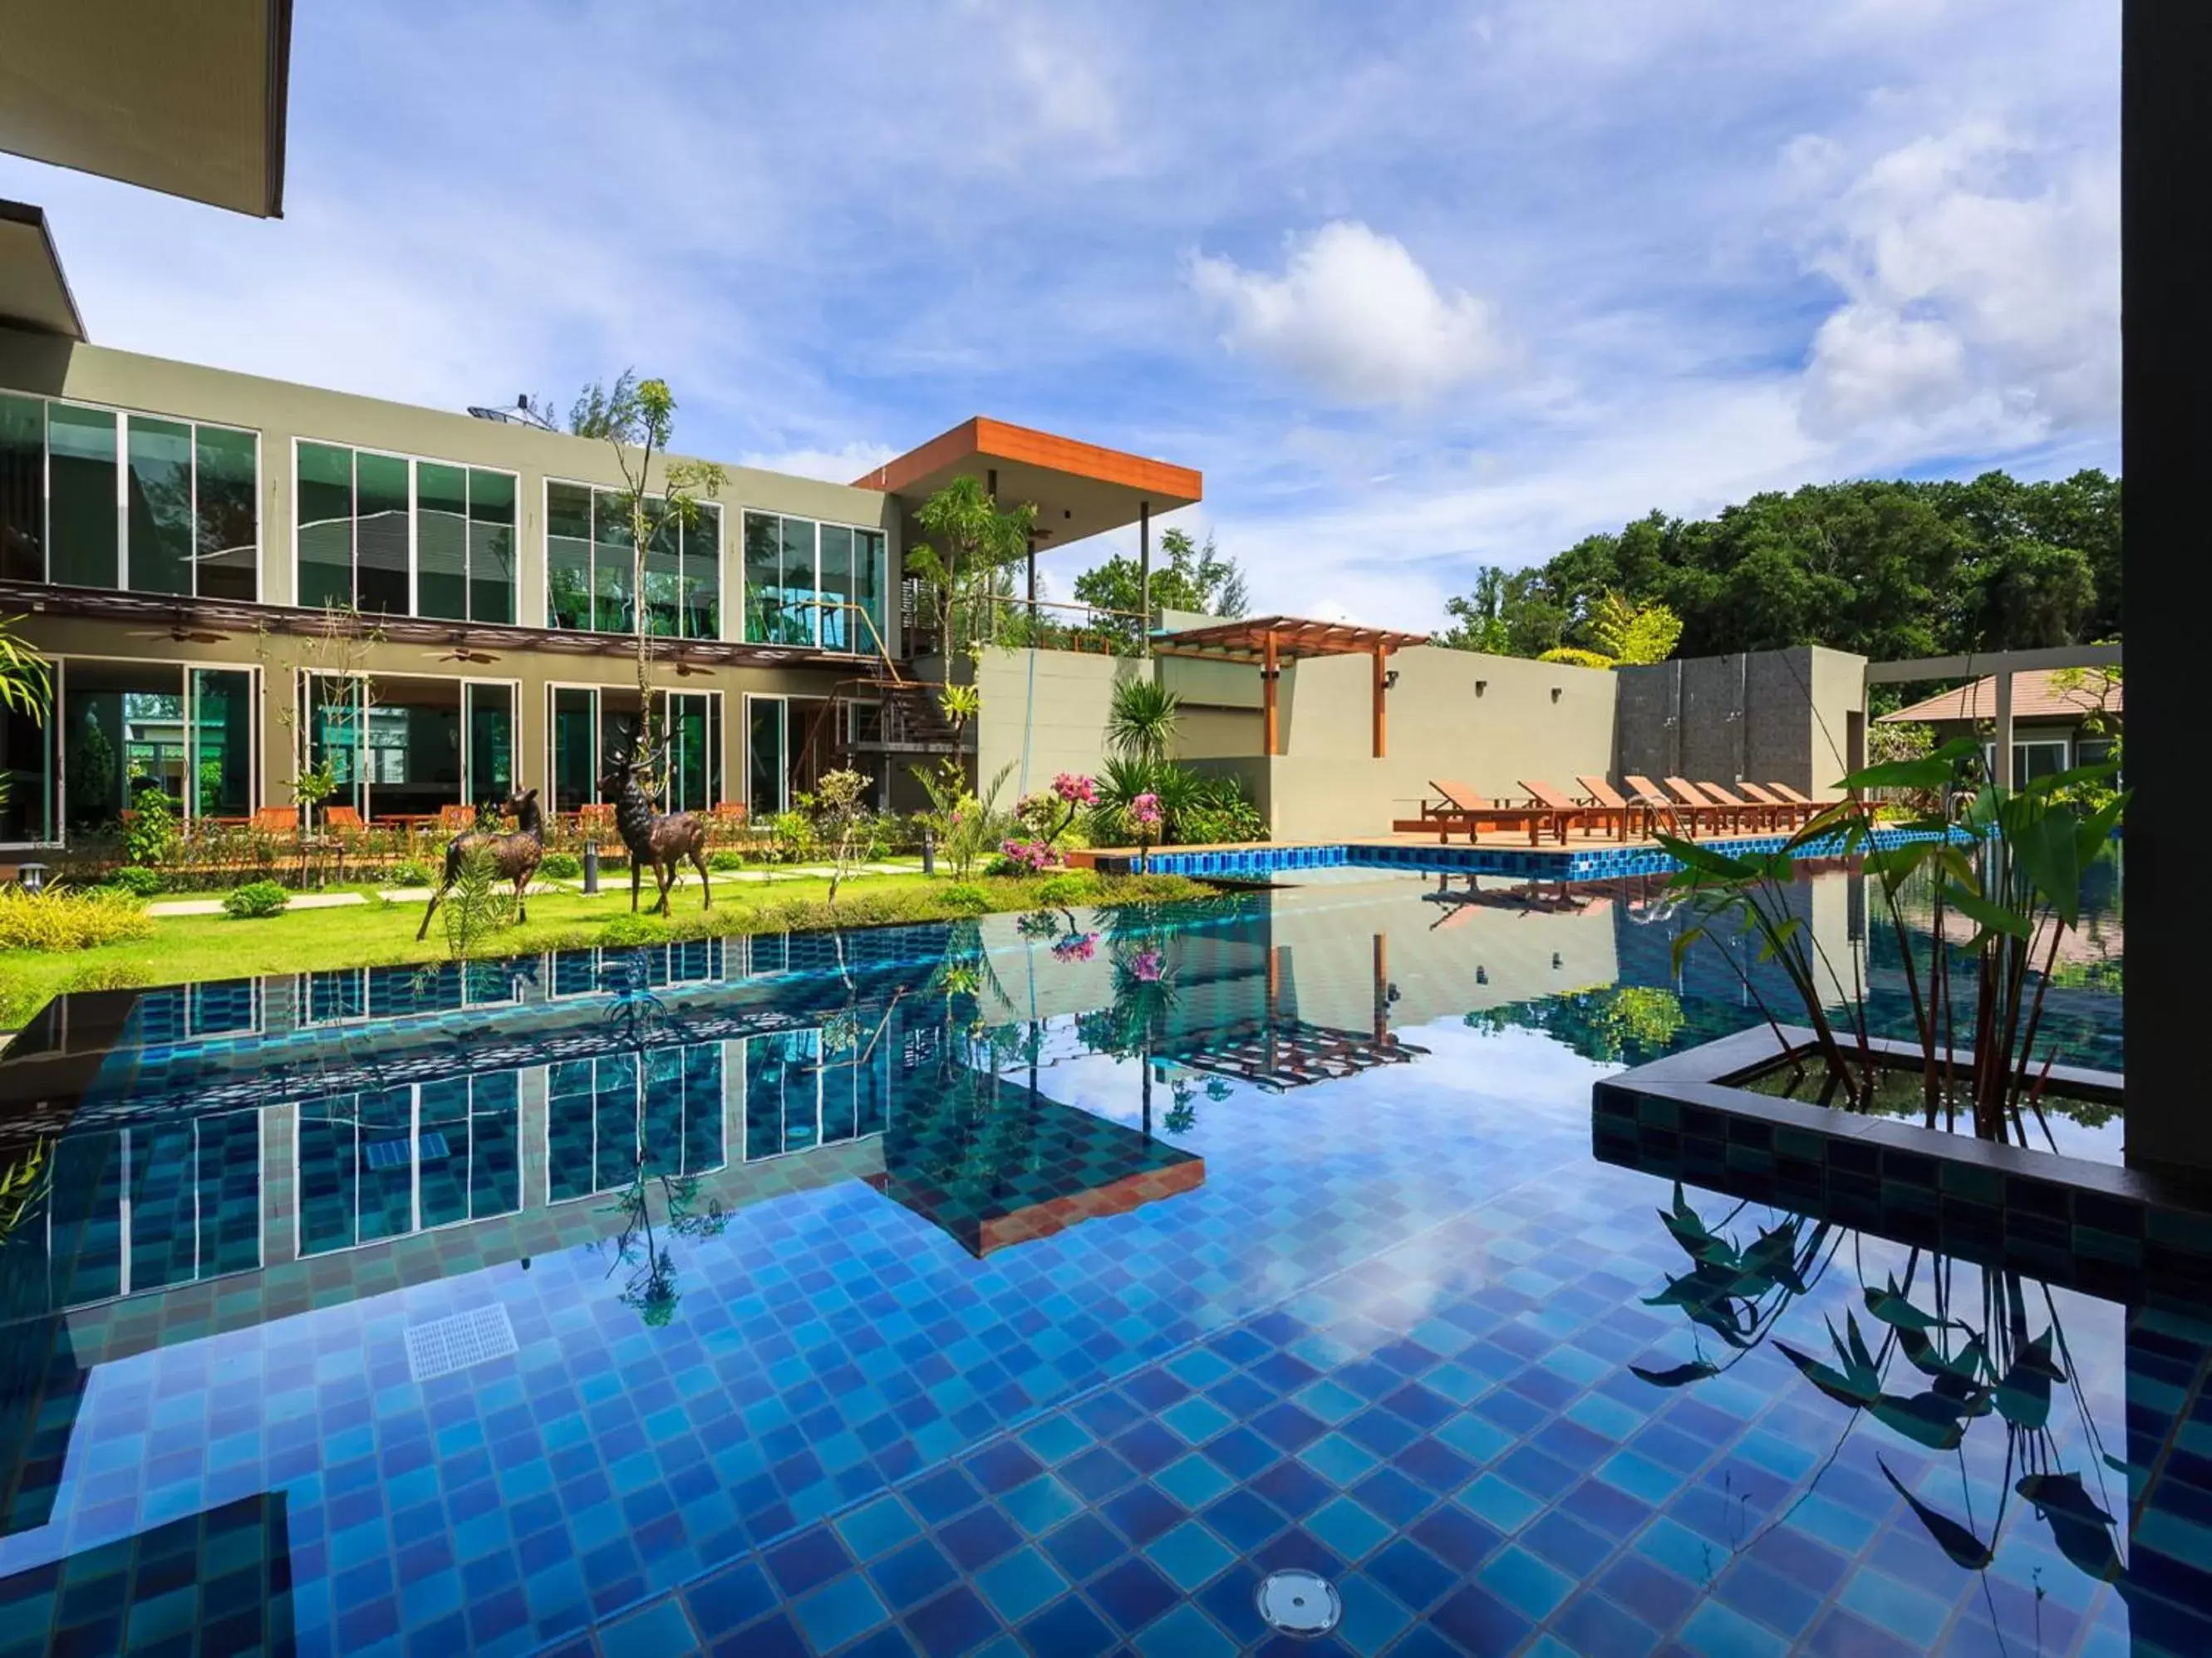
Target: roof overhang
x,y
1249,638
187,100
1079,489
35,295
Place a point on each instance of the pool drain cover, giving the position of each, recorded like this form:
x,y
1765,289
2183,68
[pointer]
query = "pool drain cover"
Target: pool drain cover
x,y
1299,1603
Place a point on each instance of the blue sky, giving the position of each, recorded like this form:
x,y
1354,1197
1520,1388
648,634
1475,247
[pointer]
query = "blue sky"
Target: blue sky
x,y
1417,287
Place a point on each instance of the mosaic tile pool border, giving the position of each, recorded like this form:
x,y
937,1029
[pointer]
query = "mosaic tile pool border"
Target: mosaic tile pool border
x,y
2109,1230
1582,862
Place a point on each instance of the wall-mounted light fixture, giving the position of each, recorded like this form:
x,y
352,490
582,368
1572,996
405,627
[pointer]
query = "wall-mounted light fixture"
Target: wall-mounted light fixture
x,y
1480,686
1555,693
1555,961
1389,679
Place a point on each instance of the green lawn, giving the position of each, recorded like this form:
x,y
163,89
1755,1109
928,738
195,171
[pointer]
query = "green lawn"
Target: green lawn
x,y
378,933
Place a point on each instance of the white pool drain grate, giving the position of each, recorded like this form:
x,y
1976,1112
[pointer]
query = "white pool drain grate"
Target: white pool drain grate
x,y
1299,1603
447,1345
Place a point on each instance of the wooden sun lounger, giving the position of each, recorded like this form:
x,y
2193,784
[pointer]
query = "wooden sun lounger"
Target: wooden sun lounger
x,y
1693,816
1462,809
1797,800
1578,812
1637,812
1788,812
1757,814
1733,819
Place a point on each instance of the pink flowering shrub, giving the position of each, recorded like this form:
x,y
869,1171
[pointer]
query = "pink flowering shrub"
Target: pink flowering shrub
x,y
1028,857
1148,967
1076,947
1076,789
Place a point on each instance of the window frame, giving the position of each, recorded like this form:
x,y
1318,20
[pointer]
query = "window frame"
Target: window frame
x,y
414,461
303,728
882,622
124,413
683,610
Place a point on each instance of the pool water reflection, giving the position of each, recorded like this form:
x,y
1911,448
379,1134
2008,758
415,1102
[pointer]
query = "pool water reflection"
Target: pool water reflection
x,y
1052,1277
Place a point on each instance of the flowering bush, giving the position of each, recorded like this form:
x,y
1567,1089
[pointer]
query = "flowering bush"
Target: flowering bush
x,y
1048,816
1075,789
1026,858
1144,811
1076,947
1148,967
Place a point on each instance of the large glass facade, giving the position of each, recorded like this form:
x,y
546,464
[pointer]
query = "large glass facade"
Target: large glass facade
x,y
589,724
810,1088
813,584
778,731
591,575
405,746
129,727
384,1164
402,536
614,1121
98,498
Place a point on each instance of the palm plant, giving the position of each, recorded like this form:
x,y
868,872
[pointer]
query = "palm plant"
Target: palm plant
x,y
1141,723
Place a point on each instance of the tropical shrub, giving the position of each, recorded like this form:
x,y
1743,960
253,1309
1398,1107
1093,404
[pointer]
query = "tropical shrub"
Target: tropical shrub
x,y
1140,722
60,919
410,873
964,898
152,830
479,903
135,879
722,861
966,824
255,901
562,865
1069,887
627,930
2017,881
793,834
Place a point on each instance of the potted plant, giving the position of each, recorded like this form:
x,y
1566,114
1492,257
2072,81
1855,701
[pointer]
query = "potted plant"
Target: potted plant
x,y
2004,867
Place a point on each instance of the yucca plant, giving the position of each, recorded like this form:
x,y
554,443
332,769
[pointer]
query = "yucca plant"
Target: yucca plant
x,y
2015,875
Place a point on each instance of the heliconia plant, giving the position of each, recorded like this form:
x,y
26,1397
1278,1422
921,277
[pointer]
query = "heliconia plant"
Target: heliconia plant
x,y
2009,862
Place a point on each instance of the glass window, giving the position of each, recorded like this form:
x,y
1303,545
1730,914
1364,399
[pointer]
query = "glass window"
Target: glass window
x,y
228,513
575,748
325,503
837,623
441,540
694,719
664,577
764,565
703,574
27,766
871,578
611,575
123,727
765,754
568,555
796,583
380,533
159,503
81,509
491,546
491,741
221,758
23,488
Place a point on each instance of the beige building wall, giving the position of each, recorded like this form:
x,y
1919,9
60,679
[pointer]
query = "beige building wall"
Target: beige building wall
x,y
1044,713
1838,737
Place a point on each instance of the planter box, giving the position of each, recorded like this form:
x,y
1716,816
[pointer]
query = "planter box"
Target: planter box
x,y
2109,1231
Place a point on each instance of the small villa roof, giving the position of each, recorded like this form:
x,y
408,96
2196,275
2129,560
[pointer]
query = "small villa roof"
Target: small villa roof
x,y
1293,636
2037,693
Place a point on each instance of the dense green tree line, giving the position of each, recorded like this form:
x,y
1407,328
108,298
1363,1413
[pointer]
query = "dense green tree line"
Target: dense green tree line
x,y
1886,569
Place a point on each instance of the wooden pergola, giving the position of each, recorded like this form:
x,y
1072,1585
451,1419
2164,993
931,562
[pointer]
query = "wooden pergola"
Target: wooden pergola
x,y
1266,640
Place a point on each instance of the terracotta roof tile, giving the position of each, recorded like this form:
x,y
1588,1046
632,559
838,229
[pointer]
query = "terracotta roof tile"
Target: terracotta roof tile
x,y
2035,696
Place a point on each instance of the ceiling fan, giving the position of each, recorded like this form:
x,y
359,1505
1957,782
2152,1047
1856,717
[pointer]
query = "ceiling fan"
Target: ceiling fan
x,y
685,670
460,653
180,634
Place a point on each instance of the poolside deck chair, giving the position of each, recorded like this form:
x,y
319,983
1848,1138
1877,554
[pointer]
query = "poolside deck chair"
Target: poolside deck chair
x,y
277,820
342,820
1789,813
1638,812
1757,814
1733,819
1692,816
1587,814
456,820
1796,800
1461,808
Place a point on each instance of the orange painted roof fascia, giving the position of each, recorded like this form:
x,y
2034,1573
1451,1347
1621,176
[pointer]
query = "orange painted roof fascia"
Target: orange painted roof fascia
x,y
994,440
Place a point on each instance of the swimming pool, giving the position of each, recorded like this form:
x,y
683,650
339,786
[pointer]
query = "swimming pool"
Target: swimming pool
x,y
1037,1284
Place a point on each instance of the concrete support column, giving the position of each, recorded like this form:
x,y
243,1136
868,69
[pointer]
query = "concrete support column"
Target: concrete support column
x,y
2166,271
1382,726
1270,669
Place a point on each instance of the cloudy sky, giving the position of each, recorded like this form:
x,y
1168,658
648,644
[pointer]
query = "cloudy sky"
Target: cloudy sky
x,y
1417,287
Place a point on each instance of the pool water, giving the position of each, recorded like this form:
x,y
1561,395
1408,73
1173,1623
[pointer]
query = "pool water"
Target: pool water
x,y
1032,1284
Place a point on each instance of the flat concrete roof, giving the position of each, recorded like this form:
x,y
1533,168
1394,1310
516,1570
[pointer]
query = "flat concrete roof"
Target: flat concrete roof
x,y
186,99
35,295
1079,489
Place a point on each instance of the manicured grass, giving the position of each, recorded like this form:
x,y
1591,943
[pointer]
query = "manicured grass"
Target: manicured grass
x,y
378,934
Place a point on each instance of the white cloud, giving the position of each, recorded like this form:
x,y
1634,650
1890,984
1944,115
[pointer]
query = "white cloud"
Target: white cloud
x,y
1981,290
840,466
1354,314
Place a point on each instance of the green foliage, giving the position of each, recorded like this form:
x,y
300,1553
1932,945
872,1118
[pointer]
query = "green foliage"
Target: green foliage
x,y
135,879
561,865
411,874
626,930
1068,887
1140,722
1889,570
961,703
478,904
152,831
1188,576
967,825
1195,809
92,768
314,784
1575,657
1633,634
793,834
721,862
60,919
255,901
2017,881
841,815
969,539
964,898
27,683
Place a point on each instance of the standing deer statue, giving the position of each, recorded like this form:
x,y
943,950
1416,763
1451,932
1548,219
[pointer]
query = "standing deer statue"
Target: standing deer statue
x,y
515,856
663,839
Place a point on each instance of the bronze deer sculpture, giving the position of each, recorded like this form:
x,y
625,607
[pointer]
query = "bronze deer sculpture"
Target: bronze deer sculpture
x,y
661,839
515,856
